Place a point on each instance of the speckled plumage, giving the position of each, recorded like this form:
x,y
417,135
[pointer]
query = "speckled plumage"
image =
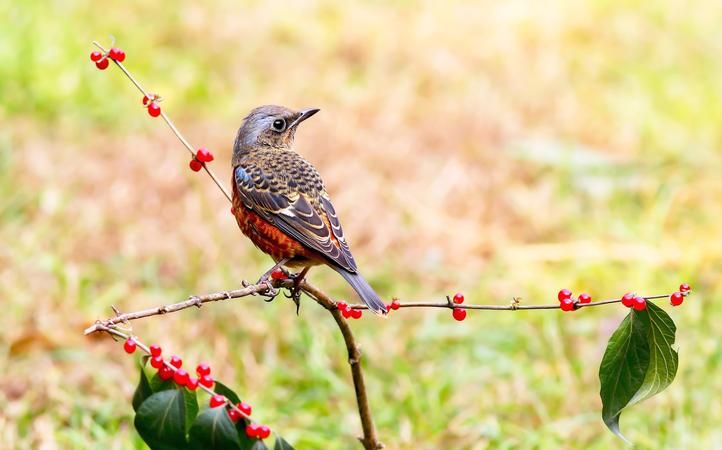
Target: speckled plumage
x,y
281,204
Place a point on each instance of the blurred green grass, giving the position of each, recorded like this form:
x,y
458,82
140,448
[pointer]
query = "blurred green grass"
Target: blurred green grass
x,y
502,149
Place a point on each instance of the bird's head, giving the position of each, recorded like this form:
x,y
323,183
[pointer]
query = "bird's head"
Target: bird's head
x,y
269,126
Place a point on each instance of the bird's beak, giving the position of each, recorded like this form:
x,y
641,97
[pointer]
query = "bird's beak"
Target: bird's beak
x,y
305,114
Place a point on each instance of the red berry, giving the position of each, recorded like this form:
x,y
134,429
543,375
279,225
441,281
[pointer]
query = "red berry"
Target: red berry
x,y
263,431
341,305
245,408
640,303
585,298
155,350
395,304
278,275
459,314
129,345
252,430
181,377
102,64
204,155
176,361
95,56
192,384
676,299
234,415
145,100
459,298
116,54
684,287
156,362
203,369
564,294
346,313
206,380
567,304
356,313
628,299
195,165
154,109
165,372
217,400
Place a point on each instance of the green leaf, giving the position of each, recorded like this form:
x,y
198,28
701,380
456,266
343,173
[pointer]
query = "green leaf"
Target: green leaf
x,y
664,360
143,390
191,405
157,384
638,363
213,429
281,444
160,420
246,442
224,390
259,445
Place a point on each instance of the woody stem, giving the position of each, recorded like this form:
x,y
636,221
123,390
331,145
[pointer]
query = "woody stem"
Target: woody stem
x,y
369,439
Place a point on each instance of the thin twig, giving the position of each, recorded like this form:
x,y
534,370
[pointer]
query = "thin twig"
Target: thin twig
x,y
514,307
194,300
170,124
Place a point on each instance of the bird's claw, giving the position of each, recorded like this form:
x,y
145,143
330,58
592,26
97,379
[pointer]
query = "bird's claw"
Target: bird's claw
x,y
294,292
270,293
295,295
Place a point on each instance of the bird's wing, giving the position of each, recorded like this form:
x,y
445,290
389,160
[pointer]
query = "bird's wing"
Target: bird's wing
x,y
294,214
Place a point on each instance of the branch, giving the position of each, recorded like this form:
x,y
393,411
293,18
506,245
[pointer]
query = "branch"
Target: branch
x,y
324,300
193,300
369,438
169,122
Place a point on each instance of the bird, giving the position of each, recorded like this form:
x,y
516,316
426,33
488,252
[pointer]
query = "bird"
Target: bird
x,y
281,204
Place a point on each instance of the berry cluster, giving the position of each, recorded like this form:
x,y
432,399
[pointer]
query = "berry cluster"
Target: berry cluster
x,y
171,369
103,60
567,303
631,300
151,102
347,311
677,298
203,155
458,313
394,305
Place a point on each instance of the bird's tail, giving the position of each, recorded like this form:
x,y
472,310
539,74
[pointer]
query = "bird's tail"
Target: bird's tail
x,y
364,290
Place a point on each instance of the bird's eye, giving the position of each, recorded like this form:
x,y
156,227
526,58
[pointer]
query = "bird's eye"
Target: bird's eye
x,y
279,125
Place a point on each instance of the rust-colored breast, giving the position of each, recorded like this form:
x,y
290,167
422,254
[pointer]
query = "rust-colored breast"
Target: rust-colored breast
x,y
269,239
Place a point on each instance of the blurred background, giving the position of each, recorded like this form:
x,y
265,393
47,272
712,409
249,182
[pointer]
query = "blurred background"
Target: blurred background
x,y
500,149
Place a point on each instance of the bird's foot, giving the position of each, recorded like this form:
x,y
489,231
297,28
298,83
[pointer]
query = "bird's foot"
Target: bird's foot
x,y
295,291
270,293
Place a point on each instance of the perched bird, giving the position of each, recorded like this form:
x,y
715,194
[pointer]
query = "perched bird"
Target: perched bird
x,y
281,204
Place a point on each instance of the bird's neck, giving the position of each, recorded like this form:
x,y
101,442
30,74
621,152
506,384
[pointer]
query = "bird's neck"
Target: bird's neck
x,y
244,151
